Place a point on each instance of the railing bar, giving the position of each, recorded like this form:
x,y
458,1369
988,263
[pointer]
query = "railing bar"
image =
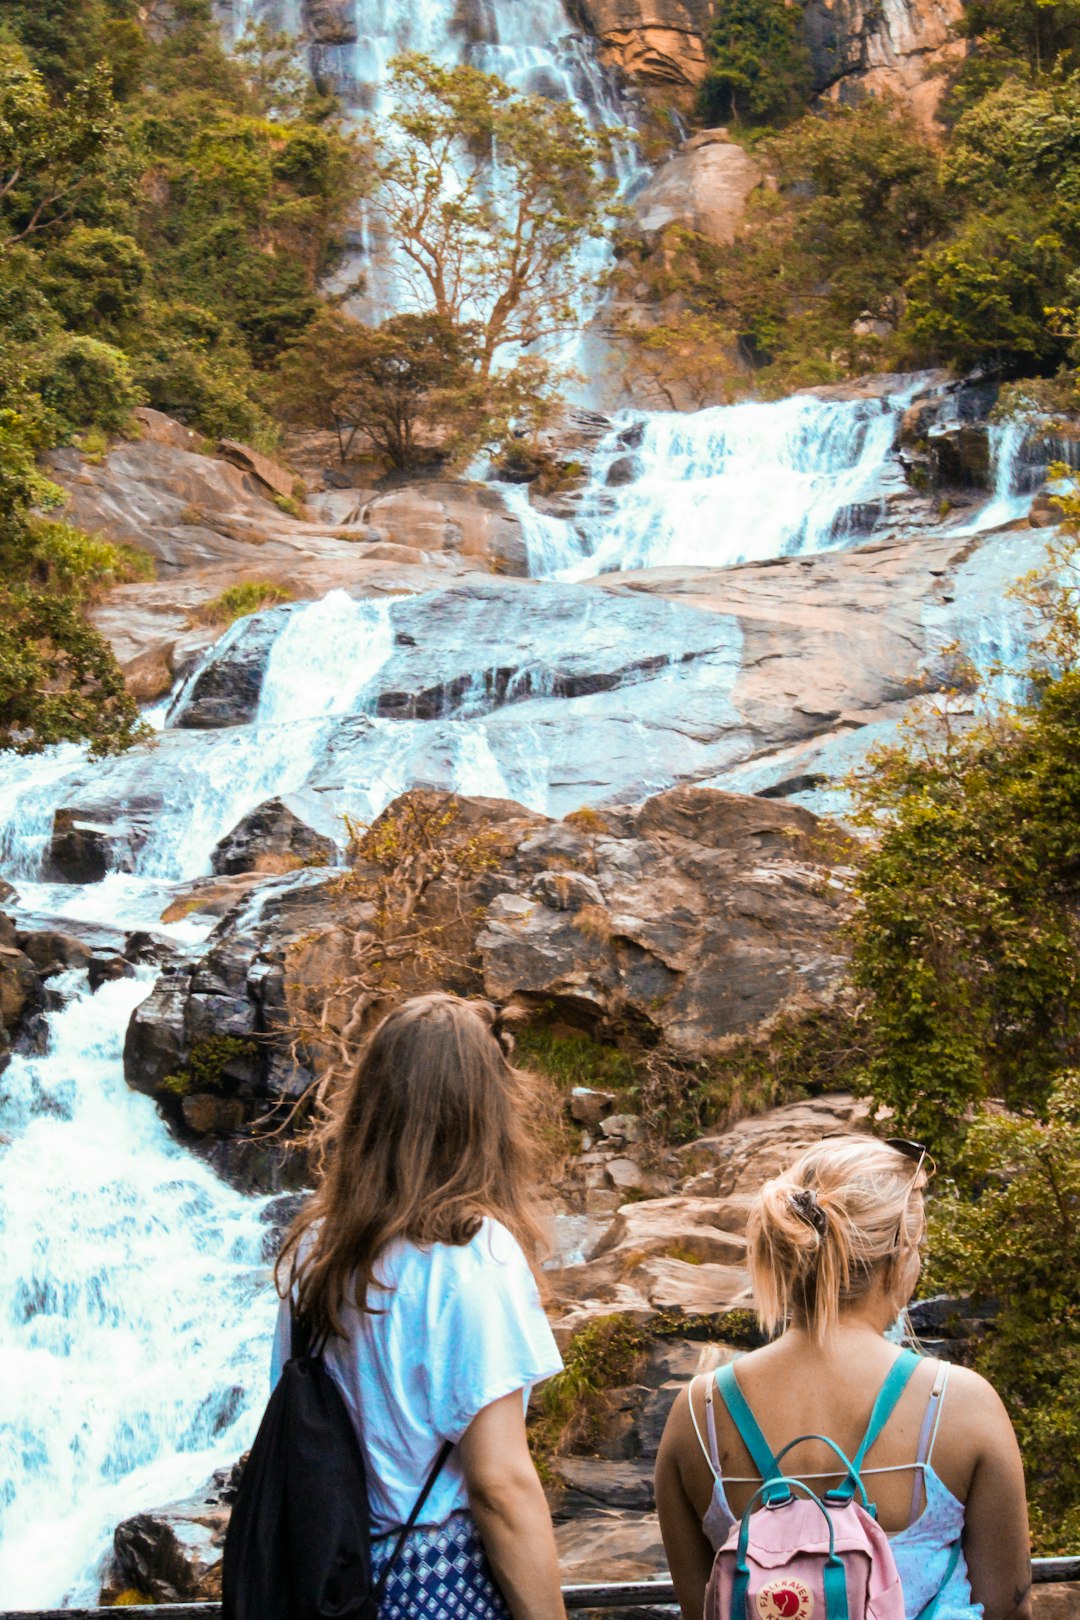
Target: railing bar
x,y
595,1595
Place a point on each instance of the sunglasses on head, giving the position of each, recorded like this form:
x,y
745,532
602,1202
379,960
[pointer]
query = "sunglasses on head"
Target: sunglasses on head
x,y
915,1151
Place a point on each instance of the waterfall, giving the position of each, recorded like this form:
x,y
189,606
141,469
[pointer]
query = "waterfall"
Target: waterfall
x,y
135,1305
730,484
1008,501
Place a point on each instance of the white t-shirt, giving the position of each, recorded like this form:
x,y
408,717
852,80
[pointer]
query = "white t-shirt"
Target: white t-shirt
x,y
463,1327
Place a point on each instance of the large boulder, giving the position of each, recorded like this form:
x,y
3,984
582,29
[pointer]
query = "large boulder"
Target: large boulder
x,y
88,841
705,186
693,918
438,516
172,1554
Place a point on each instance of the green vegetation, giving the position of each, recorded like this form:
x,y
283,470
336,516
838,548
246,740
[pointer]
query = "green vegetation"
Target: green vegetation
x,y
680,1100
1008,1230
758,64
236,601
208,1065
965,954
606,1353
879,249
166,213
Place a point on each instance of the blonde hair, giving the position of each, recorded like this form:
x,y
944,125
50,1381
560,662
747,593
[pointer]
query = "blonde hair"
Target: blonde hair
x,y
847,1212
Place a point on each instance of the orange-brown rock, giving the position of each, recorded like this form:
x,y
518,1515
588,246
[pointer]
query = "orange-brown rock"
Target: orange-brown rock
x,y
715,912
659,42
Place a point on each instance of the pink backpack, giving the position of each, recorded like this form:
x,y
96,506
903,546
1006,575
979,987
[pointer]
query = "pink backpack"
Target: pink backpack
x,y
805,1557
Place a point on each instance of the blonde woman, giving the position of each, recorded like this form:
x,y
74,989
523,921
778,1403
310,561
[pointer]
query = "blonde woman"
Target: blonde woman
x,y
833,1247
415,1257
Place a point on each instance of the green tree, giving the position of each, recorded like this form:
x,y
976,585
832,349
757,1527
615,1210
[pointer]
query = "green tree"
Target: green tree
x,y
1007,1231
758,64
57,156
412,386
489,197
59,679
983,297
95,279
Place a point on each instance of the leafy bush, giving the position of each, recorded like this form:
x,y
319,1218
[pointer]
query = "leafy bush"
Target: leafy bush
x,y
1007,1231
758,65
87,383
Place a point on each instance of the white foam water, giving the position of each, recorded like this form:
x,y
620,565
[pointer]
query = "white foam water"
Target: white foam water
x,y
135,1305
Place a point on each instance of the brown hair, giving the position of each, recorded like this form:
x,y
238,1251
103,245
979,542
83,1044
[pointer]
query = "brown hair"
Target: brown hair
x,y
426,1137
847,1212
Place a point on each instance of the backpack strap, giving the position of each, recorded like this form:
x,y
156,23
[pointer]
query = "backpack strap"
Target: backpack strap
x,y
429,1484
950,1569
750,1432
896,1381
300,1340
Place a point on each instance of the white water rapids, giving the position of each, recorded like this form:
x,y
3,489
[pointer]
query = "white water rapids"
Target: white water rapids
x,y
136,1304
134,1296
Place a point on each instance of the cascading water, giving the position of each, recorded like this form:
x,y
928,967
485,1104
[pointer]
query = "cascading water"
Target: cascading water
x,y
734,483
135,1304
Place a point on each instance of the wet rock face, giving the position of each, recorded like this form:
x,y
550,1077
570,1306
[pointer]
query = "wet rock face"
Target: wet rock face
x,y
695,917
273,839
173,1554
856,48
226,691
83,848
330,22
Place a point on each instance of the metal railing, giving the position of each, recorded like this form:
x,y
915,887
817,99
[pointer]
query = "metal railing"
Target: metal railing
x,y
616,1595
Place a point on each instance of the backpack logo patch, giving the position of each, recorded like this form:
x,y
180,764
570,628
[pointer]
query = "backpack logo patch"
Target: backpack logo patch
x,y
785,1599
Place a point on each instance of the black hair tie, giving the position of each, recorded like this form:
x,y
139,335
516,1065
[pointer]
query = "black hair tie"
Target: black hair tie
x,y
806,1206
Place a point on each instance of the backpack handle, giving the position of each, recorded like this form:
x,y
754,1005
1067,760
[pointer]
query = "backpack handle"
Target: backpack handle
x,y
853,1477
834,1578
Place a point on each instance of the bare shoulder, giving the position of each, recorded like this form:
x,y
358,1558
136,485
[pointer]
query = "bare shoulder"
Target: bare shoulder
x,y
974,1421
971,1394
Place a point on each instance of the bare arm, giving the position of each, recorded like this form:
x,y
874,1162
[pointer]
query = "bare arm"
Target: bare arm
x,y
511,1510
996,1542
689,1555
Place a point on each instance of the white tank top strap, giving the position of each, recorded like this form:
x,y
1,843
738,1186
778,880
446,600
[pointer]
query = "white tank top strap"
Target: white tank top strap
x,y
709,1451
928,1433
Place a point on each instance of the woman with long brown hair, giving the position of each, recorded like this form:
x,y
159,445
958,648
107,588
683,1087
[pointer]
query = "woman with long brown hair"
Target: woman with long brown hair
x,y
415,1261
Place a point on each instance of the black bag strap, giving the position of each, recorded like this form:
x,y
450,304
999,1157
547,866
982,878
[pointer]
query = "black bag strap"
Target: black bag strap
x,y
399,1546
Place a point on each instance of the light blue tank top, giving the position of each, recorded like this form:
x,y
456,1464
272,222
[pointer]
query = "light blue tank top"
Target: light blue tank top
x,y
922,1551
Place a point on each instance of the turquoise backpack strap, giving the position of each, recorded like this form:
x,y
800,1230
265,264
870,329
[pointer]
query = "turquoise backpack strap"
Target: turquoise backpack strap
x,y
896,1381
950,1570
749,1431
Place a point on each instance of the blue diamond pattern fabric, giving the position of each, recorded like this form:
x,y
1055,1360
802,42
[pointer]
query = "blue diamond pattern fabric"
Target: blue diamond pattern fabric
x,y
442,1574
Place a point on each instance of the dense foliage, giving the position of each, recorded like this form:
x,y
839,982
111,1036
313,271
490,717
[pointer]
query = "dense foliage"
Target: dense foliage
x,y
879,248
758,64
966,956
1007,1231
166,213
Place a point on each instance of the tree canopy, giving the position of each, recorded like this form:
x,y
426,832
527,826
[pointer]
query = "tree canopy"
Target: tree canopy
x,y
489,197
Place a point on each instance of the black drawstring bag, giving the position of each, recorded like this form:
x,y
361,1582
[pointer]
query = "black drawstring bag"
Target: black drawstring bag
x,y
298,1546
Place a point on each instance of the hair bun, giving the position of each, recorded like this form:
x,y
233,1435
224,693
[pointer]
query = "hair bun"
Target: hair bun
x,y
807,1208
